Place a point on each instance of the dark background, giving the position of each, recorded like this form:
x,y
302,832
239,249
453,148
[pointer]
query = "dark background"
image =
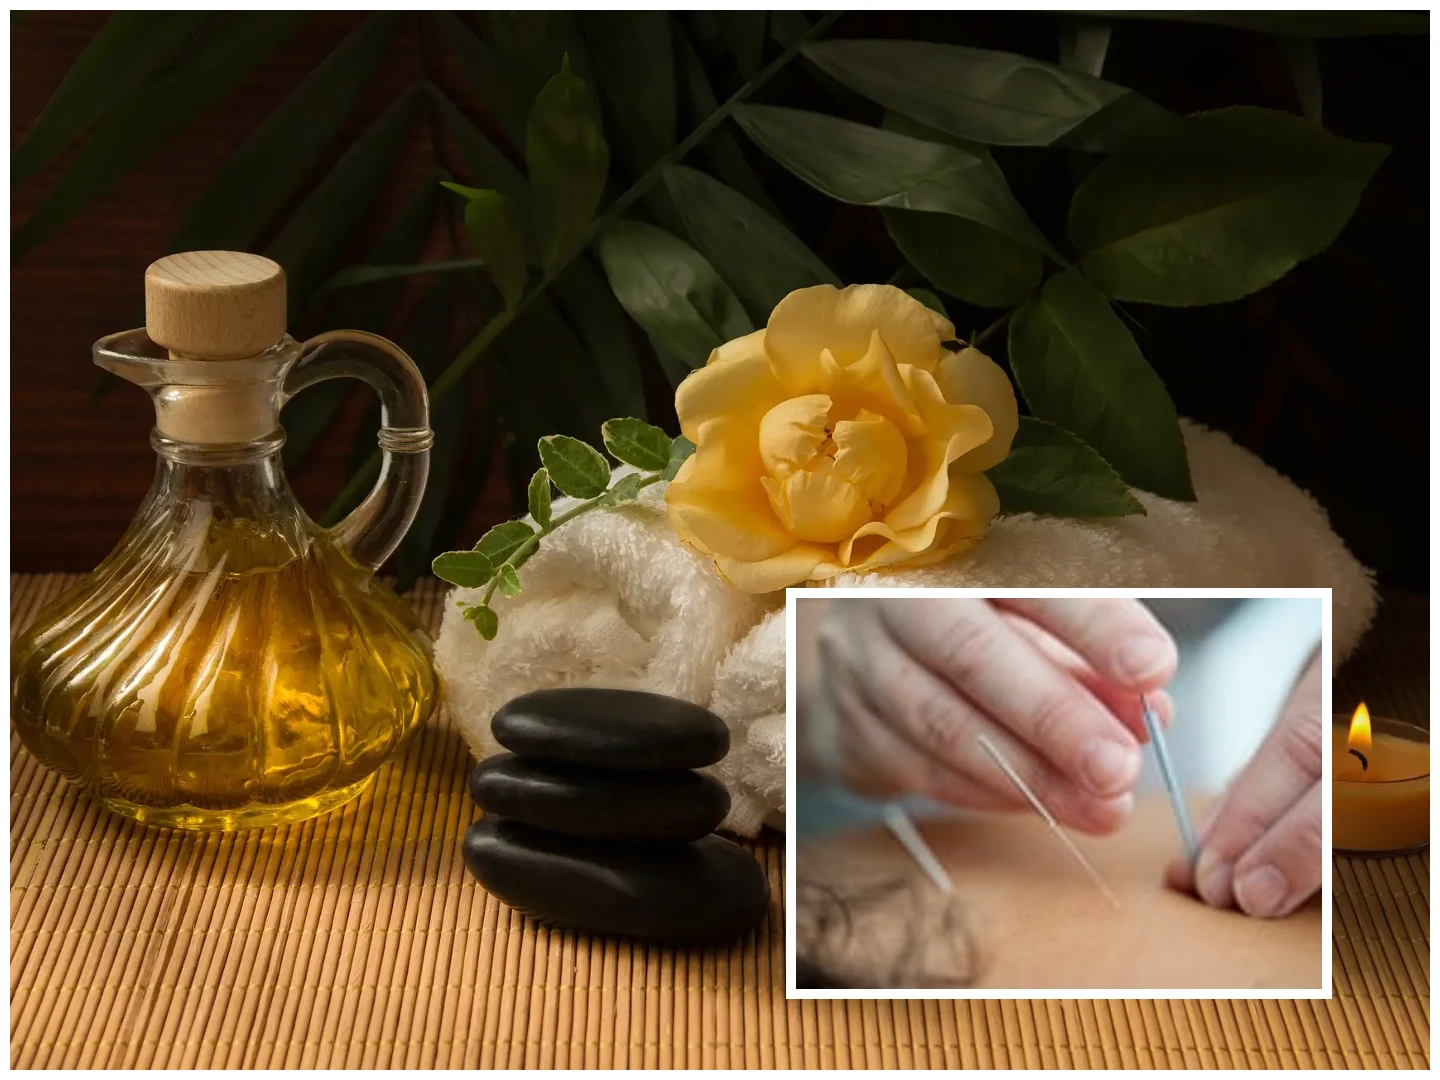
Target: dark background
x,y
1325,374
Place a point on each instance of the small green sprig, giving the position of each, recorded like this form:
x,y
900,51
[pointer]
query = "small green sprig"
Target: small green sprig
x,y
574,468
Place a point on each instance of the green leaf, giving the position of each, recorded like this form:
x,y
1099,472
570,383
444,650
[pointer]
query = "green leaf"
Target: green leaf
x,y
568,161
576,468
870,167
497,230
930,300
485,620
158,110
1083,45
1051,471
625,490
273,164
539,497
1183,233
680,450
762,258
670,290
973,262
468,569
1079,367
634,66
960,257
509,581
319,228
637,443
118,59
1003,99
501,542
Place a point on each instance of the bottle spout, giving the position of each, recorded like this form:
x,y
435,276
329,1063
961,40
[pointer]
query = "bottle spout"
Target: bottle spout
x,y
203,402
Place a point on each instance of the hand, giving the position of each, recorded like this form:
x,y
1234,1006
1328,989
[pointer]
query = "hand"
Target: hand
x,y
1261,851
903,686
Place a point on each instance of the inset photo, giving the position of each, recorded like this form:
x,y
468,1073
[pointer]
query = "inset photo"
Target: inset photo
x,y
1060,793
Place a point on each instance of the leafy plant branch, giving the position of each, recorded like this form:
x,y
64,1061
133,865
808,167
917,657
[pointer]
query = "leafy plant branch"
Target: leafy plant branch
x,y
575,469
501,321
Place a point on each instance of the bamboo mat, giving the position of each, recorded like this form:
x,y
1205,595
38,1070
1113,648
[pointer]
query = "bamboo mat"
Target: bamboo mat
x,y
359,940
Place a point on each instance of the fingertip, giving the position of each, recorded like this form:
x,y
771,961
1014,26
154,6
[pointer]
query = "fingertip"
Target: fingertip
x,y
1179,877
1101,817
1213,880
1146,662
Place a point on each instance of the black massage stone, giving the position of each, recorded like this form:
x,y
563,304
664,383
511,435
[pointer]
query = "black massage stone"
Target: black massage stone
x,y
611,729
706,891
600,804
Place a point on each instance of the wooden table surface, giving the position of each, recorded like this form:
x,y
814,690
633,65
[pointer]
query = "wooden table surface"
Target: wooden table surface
x,y
359,940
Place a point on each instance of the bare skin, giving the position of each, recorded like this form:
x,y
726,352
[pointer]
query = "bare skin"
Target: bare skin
x,y
1023,916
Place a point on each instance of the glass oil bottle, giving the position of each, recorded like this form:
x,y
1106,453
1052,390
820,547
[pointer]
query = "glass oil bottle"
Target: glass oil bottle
x,y
231,664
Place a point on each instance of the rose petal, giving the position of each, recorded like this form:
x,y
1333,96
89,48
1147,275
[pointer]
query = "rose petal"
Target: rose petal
x,y
970,377
943,326
736,382
767,575
842,320
930,471
792,432
716,502
870,453
875,382
817,507
944,421
971,502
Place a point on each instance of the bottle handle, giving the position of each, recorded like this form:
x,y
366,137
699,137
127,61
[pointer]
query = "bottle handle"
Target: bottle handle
x,y
375,528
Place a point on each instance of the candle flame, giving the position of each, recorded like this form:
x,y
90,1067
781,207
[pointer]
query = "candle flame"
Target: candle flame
x,y
1359,729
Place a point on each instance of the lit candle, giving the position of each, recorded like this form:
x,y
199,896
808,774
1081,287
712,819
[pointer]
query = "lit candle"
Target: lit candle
x,y
1381,785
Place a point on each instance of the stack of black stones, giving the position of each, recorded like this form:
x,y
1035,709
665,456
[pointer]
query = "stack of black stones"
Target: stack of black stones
x,y
597,821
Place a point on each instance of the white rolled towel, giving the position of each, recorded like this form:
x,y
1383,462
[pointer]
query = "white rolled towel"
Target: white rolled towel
x,y
750,696
1248,528
614,599
611,598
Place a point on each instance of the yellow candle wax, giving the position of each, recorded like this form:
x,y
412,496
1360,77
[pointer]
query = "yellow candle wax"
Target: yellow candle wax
x,y
1382,804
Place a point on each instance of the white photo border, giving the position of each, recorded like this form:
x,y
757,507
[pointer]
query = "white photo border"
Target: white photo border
x,y
1322,993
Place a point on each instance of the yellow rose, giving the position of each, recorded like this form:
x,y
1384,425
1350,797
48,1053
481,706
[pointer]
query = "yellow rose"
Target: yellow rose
x,y
844,436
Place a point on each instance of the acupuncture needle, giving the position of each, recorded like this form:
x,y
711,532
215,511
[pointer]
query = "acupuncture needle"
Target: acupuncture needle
x,y
910,839
1039,807
1172,785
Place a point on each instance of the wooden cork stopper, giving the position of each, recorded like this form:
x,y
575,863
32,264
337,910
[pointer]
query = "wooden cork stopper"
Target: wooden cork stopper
x,y
215,305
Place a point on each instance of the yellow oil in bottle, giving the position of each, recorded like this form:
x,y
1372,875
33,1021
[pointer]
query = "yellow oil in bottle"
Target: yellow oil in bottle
x,y
265,688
